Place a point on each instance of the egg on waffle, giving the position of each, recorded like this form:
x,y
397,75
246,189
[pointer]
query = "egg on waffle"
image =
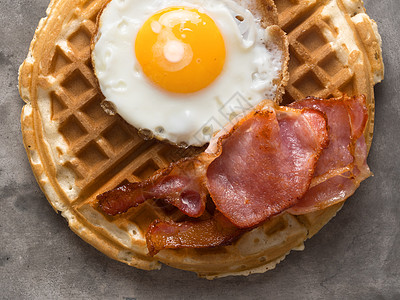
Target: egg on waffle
x,y
78,151
172,67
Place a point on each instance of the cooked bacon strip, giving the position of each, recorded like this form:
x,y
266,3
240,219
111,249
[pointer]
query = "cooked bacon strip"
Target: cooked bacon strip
x,y
180,185
342,166
266,164
216,231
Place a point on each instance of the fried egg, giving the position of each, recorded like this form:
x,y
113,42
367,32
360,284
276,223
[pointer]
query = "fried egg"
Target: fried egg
x,y
183,69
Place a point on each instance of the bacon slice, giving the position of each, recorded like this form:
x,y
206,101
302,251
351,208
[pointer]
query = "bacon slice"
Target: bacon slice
x,y
342,166
180,184
216,231
266,164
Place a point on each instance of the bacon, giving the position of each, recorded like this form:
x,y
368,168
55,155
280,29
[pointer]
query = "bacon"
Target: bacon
x,y
285,144
180,184
342,166
270,161
266,164
216,231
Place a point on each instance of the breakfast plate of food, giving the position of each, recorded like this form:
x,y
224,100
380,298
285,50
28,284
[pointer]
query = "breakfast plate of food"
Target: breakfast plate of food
x,y
210,136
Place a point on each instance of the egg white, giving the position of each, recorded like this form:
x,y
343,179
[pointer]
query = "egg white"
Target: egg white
x,y
190,119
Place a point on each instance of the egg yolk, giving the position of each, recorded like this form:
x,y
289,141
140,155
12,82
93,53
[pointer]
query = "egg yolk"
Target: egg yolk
x,y
180,49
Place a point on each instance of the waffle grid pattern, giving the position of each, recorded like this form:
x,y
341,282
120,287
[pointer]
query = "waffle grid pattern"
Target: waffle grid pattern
x,y
108,152
314,67
103,145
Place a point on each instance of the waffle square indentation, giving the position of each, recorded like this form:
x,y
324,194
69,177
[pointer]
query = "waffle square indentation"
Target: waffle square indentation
x,y
92,155
147,169
94,110
117,136
312,39
76,84
143,215
331,65
59,60
80,40
309,84
72,130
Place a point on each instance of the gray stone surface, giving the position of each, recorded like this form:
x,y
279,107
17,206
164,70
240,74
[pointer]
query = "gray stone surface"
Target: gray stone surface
x,y
355,256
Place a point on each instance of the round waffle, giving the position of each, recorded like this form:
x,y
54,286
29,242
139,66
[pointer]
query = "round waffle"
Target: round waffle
x,y
77,151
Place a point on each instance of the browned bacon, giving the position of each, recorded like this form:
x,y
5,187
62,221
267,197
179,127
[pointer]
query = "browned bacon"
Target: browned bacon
x,y
180,184
342,166
270,161
216,231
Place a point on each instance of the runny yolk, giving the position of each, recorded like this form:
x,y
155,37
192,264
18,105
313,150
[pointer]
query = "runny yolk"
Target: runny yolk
x,y
180,49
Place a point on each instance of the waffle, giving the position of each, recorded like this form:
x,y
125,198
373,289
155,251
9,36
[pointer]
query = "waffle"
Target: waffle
x,y
77,150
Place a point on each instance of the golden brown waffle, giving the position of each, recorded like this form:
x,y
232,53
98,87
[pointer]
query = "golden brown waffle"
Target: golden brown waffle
x,y
78,151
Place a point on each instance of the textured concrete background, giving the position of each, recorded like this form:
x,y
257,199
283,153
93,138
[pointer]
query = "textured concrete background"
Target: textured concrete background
x,y
355,256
